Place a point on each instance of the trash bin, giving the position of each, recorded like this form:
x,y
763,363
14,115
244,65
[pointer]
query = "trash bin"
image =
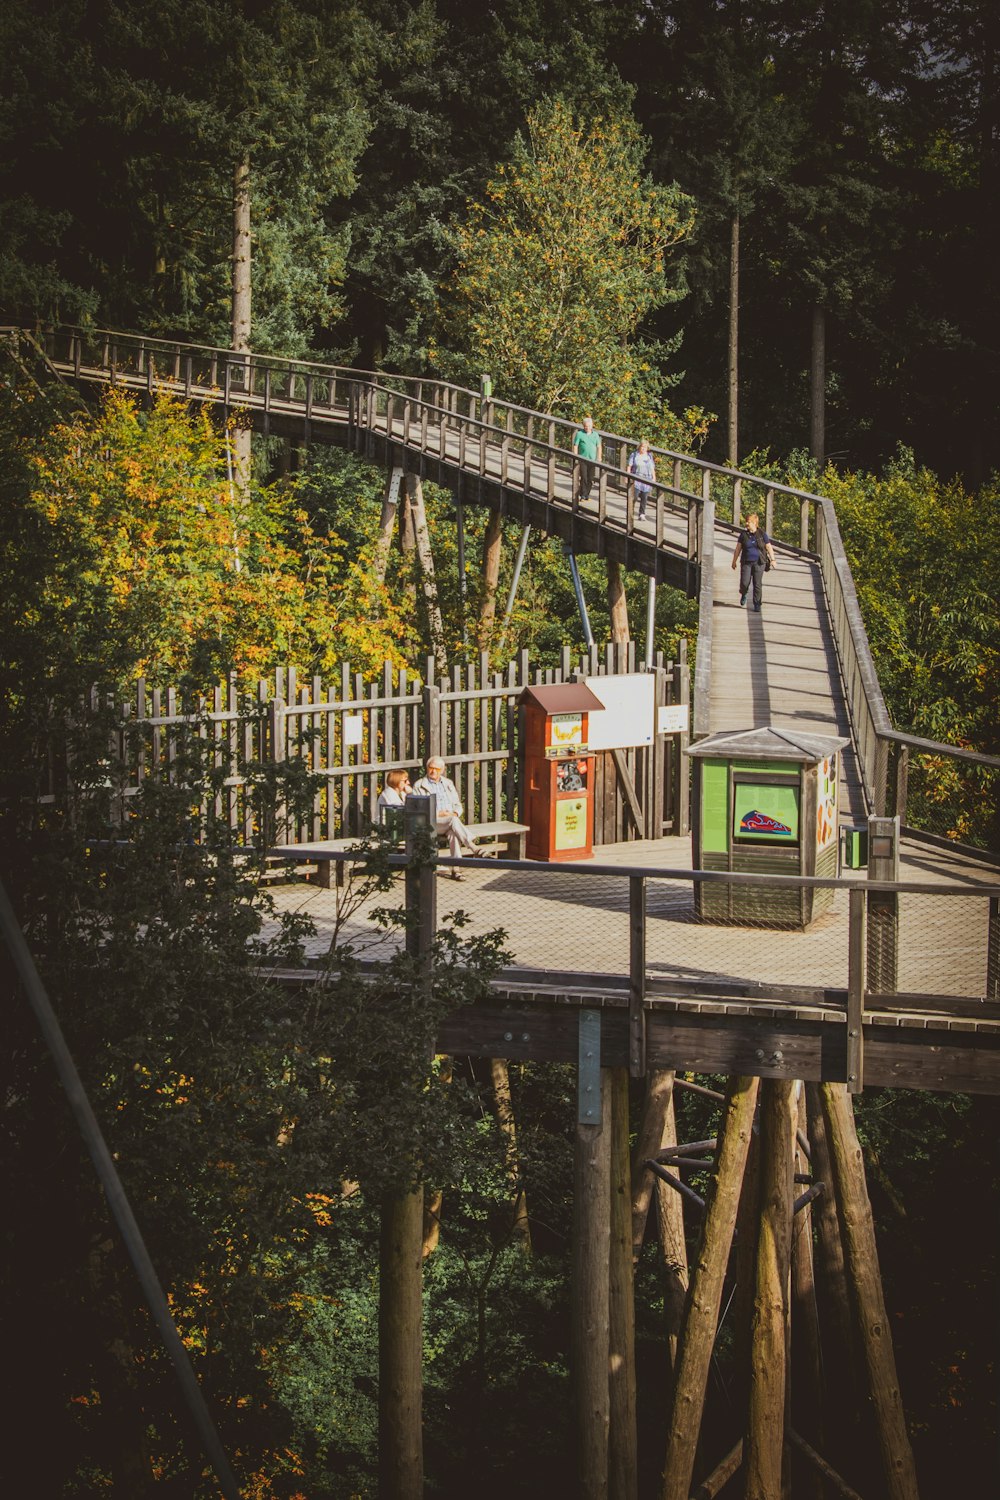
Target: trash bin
x,y
764,802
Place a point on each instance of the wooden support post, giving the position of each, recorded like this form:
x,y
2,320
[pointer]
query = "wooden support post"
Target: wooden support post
x,y
590,1296
863,1270
807,1364
840,1365
400,1443
637,977
657,1131
623,1473
702,1312
765,1454
421,889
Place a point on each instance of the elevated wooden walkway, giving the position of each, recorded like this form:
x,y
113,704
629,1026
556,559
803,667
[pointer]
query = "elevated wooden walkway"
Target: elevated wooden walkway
x,y
715,998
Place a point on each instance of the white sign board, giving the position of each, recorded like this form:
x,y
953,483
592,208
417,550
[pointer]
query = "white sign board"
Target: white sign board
x,y
353,728
627,718
674,719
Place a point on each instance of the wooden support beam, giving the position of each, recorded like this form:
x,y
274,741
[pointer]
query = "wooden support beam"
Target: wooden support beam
x,y
623,1464
770,1345
840,1487
861,1255
657,1132
720,1475
628,789
589,1297
705,1297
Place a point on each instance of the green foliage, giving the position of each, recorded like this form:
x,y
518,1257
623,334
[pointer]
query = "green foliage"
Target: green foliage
x,y
560,265
128,553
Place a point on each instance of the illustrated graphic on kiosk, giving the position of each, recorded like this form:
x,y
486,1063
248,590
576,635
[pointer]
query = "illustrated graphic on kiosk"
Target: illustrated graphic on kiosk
x,y
568,777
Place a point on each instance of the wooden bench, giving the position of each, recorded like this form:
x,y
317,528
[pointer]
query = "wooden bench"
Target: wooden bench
x,y
500,838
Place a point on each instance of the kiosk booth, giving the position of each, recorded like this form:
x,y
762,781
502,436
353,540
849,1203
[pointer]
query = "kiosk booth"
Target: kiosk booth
x,y
557,791
765,802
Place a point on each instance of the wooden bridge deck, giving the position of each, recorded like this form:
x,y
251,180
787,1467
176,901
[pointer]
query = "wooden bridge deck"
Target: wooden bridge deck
x,y
779,666
764,1000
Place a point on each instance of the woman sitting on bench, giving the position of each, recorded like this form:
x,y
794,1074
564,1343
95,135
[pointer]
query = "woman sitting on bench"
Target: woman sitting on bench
x,y
391,798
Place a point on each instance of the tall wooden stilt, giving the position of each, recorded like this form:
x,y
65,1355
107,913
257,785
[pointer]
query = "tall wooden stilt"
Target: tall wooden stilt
x,y
590,1297
623,1471
765,1450
658,1130
400,1445
702,1313
841,1362
862,1264
807,1365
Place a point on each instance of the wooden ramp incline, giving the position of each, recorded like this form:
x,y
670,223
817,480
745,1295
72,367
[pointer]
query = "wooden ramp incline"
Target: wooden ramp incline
x,y
779,666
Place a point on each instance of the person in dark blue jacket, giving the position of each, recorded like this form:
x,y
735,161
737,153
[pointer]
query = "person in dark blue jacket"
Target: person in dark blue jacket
x,y
753,549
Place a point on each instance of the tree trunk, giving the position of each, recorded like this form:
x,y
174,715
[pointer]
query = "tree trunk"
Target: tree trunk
x,y
623,1471
241,307
390,505
764,1454
704,1299
521,1228
817,385
415,491
617,603
590,1297
400,1395
732,438
492,548
863,1269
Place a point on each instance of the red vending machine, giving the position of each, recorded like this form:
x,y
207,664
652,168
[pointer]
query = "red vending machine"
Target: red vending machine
x,y
557,793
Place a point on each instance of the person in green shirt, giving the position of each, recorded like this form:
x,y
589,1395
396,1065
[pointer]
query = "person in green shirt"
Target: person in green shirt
x,y
587,447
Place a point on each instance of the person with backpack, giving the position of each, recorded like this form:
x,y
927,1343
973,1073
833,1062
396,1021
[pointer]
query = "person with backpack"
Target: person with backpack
x,y
753,554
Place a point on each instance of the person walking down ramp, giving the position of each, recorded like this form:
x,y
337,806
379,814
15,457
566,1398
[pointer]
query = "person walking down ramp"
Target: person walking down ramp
x,y
449,810
753,553
587,447
642,467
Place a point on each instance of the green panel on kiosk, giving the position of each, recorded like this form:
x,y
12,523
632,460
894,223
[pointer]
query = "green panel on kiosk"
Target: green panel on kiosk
x,y
714,806
764,813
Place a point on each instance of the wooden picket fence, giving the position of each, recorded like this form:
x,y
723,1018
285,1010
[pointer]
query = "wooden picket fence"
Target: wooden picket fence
x,y
349,731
